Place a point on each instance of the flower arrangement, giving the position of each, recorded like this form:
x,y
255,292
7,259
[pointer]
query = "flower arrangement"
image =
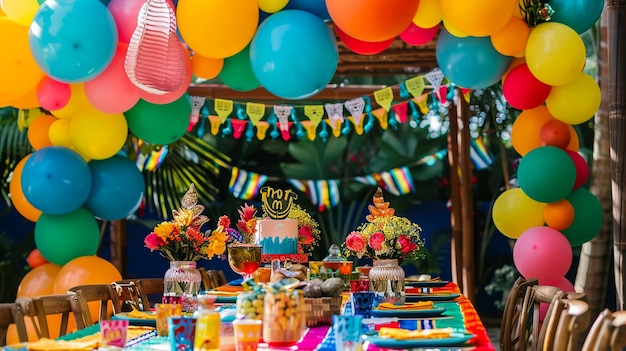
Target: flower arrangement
x,y
246,228
385,235
181,239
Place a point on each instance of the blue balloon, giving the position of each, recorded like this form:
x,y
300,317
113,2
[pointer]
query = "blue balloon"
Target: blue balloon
x,y
73,41
580,15
117,188
56,180
316,7
294,54
470,62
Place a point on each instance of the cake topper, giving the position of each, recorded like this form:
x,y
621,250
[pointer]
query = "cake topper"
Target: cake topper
x,y
277,203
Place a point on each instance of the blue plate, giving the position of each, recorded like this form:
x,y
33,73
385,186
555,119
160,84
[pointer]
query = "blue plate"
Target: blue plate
x,y
225,299
135,321
431,297
455,339
426,283
408,313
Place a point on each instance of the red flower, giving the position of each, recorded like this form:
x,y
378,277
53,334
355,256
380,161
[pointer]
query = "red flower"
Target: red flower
x,y
406,245
153,241
376,240
355,242
306,235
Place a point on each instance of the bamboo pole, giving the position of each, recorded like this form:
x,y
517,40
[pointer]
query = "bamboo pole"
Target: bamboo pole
x,y
455,200
118,244
467,200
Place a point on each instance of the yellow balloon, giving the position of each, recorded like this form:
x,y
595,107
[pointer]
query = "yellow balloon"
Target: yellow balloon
x,y
514,213
428,14
575,102
478,18
59,133
20,11
555,53
271,6
18,68
98,135
453,30
232,25
78,101
18,199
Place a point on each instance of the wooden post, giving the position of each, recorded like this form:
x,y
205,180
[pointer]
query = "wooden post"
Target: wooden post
x,y
455,200
467,200
117,231
616,12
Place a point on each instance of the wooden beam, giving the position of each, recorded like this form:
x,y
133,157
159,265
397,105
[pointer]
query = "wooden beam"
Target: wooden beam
x,y
467,200
117,231
456,242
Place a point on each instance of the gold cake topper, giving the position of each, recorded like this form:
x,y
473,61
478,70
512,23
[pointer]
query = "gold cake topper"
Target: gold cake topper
x,y
277,203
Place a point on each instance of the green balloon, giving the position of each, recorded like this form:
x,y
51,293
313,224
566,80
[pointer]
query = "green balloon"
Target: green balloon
x,y
159,124
62,238
237,72
546,174
587,217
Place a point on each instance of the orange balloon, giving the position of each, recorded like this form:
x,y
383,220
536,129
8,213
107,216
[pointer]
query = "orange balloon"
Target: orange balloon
x,y
27,101
526,129
18,199
13,338
372,20
511,39
478,18
574,143
85,270
39,281
559,215
206,67
35,259
38,131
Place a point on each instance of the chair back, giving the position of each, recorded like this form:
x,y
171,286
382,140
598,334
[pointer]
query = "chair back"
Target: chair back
x,y
12,313
608,332
136,293
514,330
39,308
102,293
151,290
211,278
573,323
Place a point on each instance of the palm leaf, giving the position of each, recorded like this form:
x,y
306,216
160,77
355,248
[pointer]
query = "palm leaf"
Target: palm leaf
x,y
14,146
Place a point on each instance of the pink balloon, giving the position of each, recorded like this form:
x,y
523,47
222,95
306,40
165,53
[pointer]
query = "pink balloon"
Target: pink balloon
x,y
112,92
125,13
582,170
363,47
415,35
542,253
175,95
53,95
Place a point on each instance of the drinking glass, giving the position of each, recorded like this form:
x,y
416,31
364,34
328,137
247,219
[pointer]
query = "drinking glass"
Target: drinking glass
x,y
244,259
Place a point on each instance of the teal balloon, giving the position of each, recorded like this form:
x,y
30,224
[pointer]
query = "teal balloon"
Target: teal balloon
x,y
73,41
294,54
470,62
159,124
580,15
62,238
588,216
117,188
237,72
56,180
546,174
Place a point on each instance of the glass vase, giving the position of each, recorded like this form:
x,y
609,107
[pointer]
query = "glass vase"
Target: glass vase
x,y
182,284
387,281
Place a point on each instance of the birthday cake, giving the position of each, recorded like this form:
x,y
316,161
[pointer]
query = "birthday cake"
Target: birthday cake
x,y
278,236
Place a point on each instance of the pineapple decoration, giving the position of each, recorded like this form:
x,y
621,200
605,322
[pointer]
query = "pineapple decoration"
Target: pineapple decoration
x,y
380,209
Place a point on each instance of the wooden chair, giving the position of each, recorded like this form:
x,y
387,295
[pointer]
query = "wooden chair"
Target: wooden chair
x,y
608,332
135,293
102,293
514,331
573,323
12,313
38,308
151,290
206,279
211,279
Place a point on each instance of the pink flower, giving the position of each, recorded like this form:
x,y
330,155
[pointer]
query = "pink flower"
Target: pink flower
x,y
355,242
376,241
406,245
153,241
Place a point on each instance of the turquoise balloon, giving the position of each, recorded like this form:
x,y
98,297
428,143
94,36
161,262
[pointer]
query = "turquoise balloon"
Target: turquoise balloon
x,y
546,174
56,180
588,217
237,72
580,15
316,7
159,124
117,190
470,62
62,238
73,41
294,54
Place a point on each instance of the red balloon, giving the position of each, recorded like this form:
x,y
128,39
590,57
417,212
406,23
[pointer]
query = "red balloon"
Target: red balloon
x,y
415,35
555,133
35,259
582,170
363,47
522,90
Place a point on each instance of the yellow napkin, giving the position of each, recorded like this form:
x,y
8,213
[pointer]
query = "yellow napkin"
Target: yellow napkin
x,y
422,305
223,293
141,314
85,343
403,334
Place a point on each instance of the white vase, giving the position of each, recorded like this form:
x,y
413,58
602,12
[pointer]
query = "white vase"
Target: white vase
x,y
387,281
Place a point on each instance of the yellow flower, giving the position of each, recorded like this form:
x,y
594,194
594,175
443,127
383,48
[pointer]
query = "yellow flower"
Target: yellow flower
x,y
164,229
184,217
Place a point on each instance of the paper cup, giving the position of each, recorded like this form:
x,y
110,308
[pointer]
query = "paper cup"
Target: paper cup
x,y
247,334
